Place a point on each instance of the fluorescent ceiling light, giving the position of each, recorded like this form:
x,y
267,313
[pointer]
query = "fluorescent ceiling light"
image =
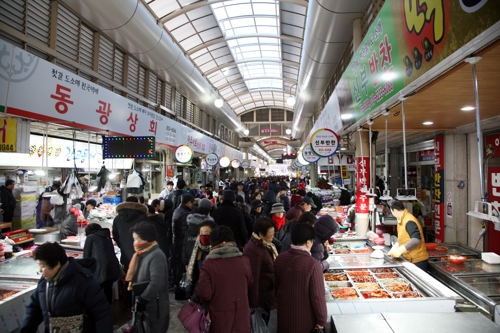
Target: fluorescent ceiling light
x,y
346,116
39,172
467,108
343,148
427,123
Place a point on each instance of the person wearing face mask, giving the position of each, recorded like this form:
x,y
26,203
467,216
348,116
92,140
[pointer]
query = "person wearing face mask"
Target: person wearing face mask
x,y
299,285
198,255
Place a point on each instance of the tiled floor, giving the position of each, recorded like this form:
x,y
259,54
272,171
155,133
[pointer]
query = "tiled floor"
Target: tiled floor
x,y
122,316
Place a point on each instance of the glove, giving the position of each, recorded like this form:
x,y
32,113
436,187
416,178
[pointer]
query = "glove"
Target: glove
x,y
396,253
393,248
140,304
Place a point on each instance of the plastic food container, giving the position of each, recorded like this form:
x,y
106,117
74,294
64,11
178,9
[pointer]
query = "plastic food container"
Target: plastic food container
x,y
431,246
490,257
379,241
457,260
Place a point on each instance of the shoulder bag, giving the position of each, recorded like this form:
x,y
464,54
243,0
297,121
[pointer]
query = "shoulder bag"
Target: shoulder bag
x,y
195,317
72,324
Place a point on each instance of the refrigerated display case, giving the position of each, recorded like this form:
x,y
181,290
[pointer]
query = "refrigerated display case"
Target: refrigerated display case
x,y
475,280
455,249
373,285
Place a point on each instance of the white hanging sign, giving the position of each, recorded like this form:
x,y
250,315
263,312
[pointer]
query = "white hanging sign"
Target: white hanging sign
x,y
244,165
224,161
235,163
301,159
309,155
324,142
183,154
212,159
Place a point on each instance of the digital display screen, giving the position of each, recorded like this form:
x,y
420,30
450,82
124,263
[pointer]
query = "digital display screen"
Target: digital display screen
x,y
129,147
291,156
279,161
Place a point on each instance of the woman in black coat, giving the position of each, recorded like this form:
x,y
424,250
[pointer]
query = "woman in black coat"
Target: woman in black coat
x,y
71,291
98,245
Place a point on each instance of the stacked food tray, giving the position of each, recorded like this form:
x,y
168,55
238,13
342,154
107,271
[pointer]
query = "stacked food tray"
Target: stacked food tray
x,y
373,283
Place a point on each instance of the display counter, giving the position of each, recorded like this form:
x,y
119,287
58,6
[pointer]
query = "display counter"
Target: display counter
x,y
359,284
475,280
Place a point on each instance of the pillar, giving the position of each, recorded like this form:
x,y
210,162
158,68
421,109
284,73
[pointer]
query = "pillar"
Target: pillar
x,y
314,174
356,34
362,182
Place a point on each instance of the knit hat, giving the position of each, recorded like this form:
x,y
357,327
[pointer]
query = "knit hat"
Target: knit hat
x,y
309,201
228,195
91,202
205,203
277,208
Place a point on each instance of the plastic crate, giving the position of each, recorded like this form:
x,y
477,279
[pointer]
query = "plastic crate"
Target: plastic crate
x,y
113,201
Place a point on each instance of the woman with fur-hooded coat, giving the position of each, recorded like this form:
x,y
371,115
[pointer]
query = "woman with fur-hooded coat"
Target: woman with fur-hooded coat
x,y
324,227
129,214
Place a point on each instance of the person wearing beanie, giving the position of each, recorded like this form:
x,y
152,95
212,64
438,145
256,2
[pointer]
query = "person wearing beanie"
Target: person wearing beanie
x,y
278,216
205,203
229,215
324,227
268,199
256,210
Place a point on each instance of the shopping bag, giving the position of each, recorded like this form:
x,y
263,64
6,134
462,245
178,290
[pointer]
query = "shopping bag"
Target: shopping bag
x,y
140,323
258,323
195,317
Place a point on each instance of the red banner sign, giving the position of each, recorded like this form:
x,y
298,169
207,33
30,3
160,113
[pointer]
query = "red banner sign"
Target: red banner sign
x,y
439,213
270,142
492,145
493,180
426,155
362,182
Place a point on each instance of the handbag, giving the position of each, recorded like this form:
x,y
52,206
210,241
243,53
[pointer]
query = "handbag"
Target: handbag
x,y
72,324
195,317
140,323
258,323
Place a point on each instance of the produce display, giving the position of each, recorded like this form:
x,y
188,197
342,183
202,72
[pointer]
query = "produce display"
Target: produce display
x,y
350,284
342,251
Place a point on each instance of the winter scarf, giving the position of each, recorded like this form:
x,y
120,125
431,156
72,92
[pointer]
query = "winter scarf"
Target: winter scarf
x,y
270,246
194,258
224,250
140,249
280,222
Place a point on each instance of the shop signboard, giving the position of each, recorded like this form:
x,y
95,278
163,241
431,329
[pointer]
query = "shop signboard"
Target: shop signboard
x,y
235,163
224,162
245,165
183,154
309,155
439,200
8,135
362,176
493,180
267,142
426,155
212,159
492,145
324,142
301,159
170,171
60,96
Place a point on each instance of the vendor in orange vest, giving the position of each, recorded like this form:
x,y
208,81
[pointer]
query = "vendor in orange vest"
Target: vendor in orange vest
x,y
411,241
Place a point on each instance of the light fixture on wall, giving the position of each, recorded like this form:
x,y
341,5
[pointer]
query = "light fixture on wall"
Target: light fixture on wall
x,y
218,101
290,101
288,131
246,131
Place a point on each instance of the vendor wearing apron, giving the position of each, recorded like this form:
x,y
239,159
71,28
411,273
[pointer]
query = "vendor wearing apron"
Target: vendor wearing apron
x,y
411,241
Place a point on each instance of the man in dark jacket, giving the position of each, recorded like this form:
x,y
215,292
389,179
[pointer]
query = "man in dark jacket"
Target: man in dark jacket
x,y
168,208
178,193
227,214
241,191
161,228
268,200
317,202
306,205
283,197
179,227
129,214
7,199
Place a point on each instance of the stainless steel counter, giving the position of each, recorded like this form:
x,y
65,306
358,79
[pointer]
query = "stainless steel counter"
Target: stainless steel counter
x,y
454,248
413,323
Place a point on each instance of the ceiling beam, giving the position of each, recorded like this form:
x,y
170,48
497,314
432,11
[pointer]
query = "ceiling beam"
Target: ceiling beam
x,y
235,63
230,83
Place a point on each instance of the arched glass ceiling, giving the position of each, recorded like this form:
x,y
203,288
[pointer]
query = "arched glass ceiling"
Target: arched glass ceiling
x,y
248,49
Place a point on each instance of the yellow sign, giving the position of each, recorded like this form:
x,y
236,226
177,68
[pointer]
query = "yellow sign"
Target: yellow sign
x,y
345,174
8,135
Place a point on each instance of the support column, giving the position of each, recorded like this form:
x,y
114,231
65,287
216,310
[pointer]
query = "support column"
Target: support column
x,y
314,174
356,34
362,181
